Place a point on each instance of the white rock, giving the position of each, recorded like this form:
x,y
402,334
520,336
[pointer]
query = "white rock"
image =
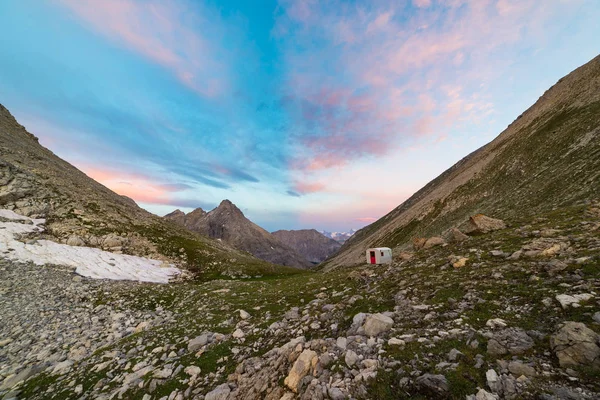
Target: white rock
x,y
342,342
496,323
376,324
566,300
396,342
351,358
221,392
192,370
244,314
62,367
238,334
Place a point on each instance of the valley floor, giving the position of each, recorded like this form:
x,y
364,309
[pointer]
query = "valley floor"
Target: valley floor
x,y
419,328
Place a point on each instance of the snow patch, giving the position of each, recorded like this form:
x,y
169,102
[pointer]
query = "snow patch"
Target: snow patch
x,y
87,261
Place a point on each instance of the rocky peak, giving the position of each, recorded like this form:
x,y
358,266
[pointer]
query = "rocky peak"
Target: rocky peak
x,y
227,206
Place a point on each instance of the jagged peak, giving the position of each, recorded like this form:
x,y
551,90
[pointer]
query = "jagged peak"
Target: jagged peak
x,y
174,213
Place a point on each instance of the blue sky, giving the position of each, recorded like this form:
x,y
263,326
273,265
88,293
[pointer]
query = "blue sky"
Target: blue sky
x,y
306,114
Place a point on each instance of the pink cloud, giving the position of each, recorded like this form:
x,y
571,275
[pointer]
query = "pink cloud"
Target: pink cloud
x,y
367,220
388,78
139,187
163,33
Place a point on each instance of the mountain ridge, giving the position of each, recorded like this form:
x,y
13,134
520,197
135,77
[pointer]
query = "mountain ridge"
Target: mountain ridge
x,y
228,222
35,182
519,161
309,243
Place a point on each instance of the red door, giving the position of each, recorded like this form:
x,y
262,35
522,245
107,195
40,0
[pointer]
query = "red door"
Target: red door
x,y
372,257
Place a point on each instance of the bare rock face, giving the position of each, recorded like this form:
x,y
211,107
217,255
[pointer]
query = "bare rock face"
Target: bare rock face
x,y
303,364
309,243
480,223
576,345
228,223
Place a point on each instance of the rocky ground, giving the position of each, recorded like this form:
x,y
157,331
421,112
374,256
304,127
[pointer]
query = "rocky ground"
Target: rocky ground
x,y
510,313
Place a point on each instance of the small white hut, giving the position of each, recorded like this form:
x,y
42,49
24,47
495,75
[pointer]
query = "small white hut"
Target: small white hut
x,y
379,255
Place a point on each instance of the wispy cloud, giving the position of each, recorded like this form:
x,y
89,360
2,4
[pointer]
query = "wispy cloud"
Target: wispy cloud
x,y
177,35
363,79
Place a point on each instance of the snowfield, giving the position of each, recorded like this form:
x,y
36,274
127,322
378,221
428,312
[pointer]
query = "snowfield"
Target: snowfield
x,y
87,261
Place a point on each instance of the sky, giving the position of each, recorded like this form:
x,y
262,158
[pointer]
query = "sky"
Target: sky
x,y
304,113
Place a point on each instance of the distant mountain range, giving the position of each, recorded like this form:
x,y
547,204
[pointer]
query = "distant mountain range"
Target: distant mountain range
x,y
228,223
339,237
311,244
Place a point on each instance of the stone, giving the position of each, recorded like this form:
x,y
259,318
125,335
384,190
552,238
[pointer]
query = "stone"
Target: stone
x,y
198,342
375,324
75,240
434,385
482,394
459,262
518,368
576,345
483,224
566,300
62,367
509,340
596,317
325,359
192,370
457,236
454,355
238,333
351,358
419,243
221,392
335,393
433,241
244,314
341,342
396,342
491,377
496,323
292,314
300,369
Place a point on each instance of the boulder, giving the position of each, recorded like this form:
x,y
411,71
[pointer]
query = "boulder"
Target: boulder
x,y
433,241
221,392
113,240
75,240
566,300
300,369
509,340
376,324
483,224
576,345
455,235
518,368
419,243
433,385
351,358
196,343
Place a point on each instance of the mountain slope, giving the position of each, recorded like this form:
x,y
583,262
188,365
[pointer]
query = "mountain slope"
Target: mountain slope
x,y
309,243
227,222
548,157
37,183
